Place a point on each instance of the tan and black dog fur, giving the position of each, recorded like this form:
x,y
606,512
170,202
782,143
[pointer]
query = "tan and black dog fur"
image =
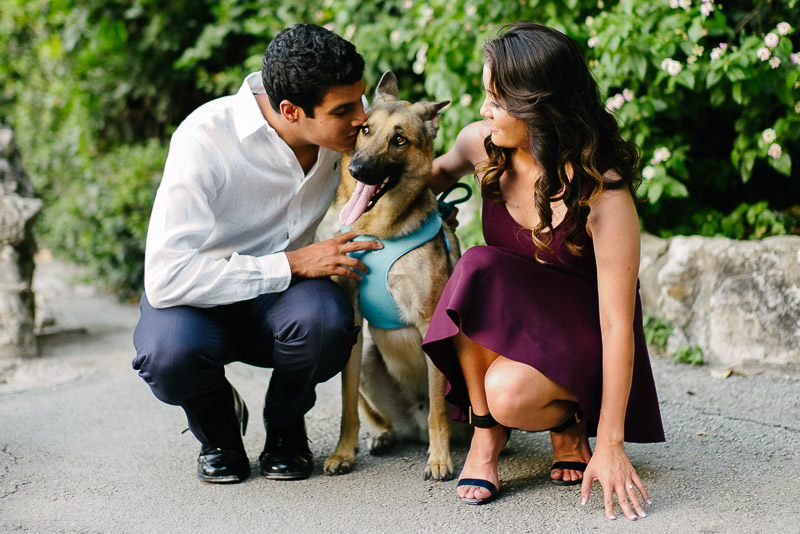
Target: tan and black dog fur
x,y
401,393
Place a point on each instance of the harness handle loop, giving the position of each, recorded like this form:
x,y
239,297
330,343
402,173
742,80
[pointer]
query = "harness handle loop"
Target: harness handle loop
x,y
446,206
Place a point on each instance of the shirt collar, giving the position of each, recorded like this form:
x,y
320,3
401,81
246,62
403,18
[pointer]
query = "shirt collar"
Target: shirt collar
x,y
247,116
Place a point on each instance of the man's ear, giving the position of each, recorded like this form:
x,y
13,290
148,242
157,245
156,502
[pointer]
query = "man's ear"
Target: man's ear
x,y
289,111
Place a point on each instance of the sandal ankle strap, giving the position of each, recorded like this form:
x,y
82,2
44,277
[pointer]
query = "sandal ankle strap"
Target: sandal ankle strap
x,y
481,421
573,419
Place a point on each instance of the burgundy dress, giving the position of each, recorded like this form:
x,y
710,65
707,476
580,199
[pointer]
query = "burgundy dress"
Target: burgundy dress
x,y
543,315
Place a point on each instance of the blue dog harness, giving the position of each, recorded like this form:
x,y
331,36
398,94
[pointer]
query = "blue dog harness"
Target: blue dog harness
x,y
374,300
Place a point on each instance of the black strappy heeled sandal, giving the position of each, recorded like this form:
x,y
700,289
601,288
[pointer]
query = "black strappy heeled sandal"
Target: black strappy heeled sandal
x,y
481,421
572,420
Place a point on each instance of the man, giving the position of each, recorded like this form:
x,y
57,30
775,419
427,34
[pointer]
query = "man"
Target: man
x,y
231,269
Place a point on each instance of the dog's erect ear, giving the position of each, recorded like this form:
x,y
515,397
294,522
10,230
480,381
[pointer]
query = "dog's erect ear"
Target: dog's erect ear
x,y
429,111
387,88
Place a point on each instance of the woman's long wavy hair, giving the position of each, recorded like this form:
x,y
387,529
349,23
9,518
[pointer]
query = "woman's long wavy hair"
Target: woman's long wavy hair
x,y
540,76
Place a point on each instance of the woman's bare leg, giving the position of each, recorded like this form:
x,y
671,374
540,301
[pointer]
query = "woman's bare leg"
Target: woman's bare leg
x,y
521,397
481,462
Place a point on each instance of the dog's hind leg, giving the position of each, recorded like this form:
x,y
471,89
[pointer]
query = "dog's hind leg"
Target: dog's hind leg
x,y
344,457
440,462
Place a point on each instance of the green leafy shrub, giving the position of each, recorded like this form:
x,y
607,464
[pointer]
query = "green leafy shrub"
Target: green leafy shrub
x,y
656,333
101,221
745,222
692,355
709,90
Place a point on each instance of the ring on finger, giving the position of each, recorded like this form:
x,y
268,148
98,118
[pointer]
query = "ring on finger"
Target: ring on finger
x,y
629,486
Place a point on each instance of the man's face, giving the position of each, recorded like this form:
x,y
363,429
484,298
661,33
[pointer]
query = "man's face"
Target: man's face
x,y
336,119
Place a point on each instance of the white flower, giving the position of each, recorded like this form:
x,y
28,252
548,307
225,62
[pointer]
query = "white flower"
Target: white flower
x,y
648,173
419,65
409,4
685,4
422,53
784,28
394,36
674,68
471,10
768,135
673,4
589,20
698,50
706,9
592,42
615,102
795,58
774,151
627,94
763,53
716,54
465,100
775,62
771,40
660,154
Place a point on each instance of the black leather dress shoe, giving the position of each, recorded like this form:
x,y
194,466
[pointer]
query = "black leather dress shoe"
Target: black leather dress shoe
x,y
286,454
223,466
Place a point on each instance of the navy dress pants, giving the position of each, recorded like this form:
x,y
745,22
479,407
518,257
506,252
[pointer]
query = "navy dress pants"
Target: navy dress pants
x,y
304,334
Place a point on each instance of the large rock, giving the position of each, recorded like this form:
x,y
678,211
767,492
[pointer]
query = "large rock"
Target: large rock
x,y
17,247
739,301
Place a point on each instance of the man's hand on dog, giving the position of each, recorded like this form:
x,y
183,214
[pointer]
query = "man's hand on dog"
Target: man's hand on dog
x,y
329,257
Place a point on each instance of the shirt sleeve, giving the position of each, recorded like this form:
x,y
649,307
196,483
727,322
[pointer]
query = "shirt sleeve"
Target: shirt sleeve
x,y
177,272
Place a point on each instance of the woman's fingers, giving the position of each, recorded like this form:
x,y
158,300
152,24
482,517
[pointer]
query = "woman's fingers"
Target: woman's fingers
x,y
623,494
627,497
608,501
634,498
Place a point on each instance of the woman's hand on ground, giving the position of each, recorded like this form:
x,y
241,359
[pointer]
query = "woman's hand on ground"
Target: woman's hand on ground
x,y
612,468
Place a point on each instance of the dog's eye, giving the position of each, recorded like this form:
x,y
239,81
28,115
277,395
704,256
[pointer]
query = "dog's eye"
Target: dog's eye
x,y
365,130
399,140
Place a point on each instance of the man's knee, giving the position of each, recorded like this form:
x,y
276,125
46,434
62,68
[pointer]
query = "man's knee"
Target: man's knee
x,y
319,331
174,362
319,312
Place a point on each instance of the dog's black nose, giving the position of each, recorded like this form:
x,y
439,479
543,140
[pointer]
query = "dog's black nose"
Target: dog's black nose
x,y
356,168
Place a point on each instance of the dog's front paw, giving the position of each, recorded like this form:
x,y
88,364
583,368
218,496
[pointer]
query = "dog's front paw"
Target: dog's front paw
x,y
380,443
439,471
337,464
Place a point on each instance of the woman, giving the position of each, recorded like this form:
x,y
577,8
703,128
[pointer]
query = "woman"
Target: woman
x,y
542,328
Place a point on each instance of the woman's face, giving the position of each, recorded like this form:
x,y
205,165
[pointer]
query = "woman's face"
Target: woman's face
x,y
507,131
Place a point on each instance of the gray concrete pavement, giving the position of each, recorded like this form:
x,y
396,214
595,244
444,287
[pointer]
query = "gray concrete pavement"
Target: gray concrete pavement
x,y
85,447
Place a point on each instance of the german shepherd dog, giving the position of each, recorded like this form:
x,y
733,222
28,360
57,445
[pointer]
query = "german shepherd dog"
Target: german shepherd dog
x,y
384,194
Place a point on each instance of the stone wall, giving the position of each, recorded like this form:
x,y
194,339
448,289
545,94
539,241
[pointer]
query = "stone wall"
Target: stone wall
x,y
739,301
17,247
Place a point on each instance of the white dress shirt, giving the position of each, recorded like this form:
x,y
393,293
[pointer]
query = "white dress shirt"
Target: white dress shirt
x,y
232,199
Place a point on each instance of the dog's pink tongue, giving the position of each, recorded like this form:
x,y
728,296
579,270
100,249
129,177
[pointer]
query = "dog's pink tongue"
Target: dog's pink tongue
x,y
357,203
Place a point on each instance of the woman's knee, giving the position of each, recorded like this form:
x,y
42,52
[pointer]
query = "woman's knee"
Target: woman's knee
x,y
509,392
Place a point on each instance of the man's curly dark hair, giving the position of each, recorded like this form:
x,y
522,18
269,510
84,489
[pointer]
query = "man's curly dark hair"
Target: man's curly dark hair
x,y
304,62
